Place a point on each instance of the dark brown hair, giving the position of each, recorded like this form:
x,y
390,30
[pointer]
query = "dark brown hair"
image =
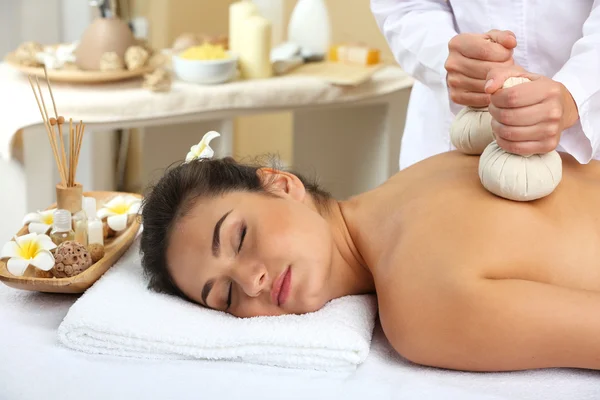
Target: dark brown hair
x,y
176,193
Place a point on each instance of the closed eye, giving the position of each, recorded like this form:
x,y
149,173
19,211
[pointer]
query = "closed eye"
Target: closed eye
x,y
229,295
242,236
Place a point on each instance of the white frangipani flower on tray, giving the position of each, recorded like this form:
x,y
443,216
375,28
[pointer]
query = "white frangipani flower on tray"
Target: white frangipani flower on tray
x,y
118,210
55,57
202,149
30,249
39,222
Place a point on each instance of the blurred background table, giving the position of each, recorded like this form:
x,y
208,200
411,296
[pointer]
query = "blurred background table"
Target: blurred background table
x,y
348,137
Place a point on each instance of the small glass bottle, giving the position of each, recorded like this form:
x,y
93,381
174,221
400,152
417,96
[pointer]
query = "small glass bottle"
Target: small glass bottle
x,y
61,228
80,227
95,230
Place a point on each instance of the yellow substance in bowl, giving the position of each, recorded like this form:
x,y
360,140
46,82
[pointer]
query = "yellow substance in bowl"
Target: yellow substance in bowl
x,y
205,51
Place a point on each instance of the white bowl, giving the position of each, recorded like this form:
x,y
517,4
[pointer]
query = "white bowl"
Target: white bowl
x,y
206,72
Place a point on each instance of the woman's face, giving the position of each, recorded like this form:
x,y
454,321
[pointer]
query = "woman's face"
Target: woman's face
x,y
252,254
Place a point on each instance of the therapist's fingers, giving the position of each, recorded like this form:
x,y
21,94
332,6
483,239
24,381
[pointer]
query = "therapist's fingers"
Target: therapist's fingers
x,y
497,76
527,148
506,38
465,83
522,116
522,95
475,69
533,133
476,47
470,99
544,121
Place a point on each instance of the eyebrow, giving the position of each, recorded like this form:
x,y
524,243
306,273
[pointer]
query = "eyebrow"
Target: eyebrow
x,y
216,243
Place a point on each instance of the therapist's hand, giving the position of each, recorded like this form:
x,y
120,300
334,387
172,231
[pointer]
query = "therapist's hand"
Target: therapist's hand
x,y
470,59
529,118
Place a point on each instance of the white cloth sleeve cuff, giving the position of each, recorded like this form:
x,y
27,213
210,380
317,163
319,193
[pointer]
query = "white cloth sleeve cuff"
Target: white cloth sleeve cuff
x,y
579,140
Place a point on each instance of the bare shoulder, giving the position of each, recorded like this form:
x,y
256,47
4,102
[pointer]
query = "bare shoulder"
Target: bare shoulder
x,y
421,303
455,321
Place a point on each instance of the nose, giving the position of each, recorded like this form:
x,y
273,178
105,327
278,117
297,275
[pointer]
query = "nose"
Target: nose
x,y
253,278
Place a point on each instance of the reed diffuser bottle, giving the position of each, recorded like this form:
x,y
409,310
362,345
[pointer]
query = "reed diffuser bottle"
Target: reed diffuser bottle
x,y
69,194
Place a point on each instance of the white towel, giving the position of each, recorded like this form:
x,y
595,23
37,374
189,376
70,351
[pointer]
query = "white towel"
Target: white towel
x,y
119,316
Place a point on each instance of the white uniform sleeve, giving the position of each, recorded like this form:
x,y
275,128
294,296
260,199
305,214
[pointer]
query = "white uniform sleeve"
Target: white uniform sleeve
x,y
418,32
581,76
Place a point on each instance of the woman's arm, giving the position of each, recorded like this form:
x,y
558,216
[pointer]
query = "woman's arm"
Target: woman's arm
x,y
581,76
418,32
508,324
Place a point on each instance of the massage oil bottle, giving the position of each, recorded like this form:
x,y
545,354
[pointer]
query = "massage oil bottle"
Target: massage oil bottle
x,y
62,227
95,230
80,228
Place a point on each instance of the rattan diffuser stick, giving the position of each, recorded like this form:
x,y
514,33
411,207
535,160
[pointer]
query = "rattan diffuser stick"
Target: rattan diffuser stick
x,y
67,166
114,8
68,191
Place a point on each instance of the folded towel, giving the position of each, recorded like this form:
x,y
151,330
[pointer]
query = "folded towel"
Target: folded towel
x,y
119,316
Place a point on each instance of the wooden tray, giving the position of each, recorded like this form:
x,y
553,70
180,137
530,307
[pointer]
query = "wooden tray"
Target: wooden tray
x,y
78,76
337,73
113,247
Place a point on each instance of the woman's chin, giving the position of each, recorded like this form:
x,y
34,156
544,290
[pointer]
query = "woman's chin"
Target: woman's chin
x,y
311,306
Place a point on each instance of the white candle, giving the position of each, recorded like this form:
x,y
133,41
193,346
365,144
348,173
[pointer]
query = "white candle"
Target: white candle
x,y
255,51
273,10
238,13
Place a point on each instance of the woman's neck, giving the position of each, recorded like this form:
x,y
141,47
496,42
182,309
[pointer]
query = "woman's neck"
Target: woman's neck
x,y
371,222
349,272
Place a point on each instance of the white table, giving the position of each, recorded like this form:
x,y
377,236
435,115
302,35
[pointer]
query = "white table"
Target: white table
x,y
34,365
348,136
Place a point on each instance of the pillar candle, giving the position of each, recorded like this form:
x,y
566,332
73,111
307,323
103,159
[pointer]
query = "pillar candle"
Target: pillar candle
x,y
238,13
255,50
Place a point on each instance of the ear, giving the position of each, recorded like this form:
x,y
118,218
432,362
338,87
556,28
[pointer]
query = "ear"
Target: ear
x,y
282,183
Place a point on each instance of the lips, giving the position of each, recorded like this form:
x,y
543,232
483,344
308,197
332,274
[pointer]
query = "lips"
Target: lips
x,y
281,287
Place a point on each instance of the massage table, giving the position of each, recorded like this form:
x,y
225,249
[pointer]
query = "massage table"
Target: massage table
x,y
34,365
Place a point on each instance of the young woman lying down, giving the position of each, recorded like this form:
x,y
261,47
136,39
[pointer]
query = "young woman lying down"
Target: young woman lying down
x,y
464,280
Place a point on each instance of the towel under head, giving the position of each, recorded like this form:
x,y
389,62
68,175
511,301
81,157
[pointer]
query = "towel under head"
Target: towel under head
x,y
120,316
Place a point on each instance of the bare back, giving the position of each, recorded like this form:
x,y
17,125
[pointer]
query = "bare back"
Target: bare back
x,y
444,211
434,231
